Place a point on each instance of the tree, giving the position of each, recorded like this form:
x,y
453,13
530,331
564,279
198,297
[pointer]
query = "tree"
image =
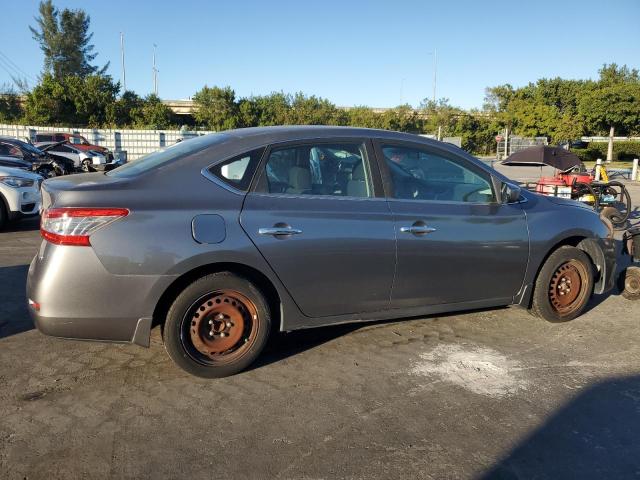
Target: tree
x,y
362,116
272,109
120,113
613,103
152,114
314,111
402,118
72,100
10,108
216,108
64,39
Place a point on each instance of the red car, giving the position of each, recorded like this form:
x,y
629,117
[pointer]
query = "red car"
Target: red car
x,y
76,140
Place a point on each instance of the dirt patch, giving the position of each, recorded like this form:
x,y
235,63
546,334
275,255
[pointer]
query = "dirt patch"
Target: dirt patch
x,y
478,369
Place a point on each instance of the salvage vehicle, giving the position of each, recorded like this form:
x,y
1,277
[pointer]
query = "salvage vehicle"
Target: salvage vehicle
x,y
83,160
74,139
571,180
40,162
19,194
14,162
222,237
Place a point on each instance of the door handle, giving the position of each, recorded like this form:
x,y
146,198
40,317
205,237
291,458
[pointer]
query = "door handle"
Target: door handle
x,y
279,231
417,229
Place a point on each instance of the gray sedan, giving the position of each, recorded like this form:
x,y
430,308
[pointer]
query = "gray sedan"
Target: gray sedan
x,y
223,238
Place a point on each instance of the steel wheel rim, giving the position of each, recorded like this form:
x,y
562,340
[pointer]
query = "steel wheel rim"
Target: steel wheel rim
x,y
568,287
632,284
219,327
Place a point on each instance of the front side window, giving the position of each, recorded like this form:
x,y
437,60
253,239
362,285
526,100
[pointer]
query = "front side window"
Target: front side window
x,y
418,174
318,169
238,171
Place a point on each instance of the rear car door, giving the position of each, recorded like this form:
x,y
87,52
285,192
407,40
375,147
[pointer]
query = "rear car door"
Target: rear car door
x,y
318,215
455,242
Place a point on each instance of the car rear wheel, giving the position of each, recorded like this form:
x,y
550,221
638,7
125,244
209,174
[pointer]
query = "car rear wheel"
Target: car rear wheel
x,y
217,326
564,285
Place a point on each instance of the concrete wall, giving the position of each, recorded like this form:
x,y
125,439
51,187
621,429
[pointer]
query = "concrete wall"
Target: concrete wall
x,y
135,142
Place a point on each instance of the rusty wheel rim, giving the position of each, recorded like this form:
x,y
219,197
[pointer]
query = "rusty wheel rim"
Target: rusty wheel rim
x,y
632,284
220,327
568,287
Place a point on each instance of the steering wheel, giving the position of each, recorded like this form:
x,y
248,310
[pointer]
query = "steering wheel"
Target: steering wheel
x,y
465,197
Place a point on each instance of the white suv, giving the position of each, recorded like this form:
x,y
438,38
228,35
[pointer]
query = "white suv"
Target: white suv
x,y
19,194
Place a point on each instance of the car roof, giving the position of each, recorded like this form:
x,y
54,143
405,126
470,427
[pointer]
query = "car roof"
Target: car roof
x,y
268,135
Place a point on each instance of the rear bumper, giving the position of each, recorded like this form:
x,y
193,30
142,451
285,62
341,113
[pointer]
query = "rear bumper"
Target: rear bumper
x,y
78,298
96,329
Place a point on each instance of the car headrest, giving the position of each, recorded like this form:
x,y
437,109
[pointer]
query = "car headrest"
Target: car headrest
x,y
358,172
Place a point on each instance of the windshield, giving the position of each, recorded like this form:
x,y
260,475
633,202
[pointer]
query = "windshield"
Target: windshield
x,y
166,155
28,147
78,140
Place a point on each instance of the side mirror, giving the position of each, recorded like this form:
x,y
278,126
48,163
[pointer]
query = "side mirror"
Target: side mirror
x,y
510,193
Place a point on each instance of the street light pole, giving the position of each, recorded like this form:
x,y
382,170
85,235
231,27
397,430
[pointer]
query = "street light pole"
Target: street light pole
x,y
155,71
124,73
435,73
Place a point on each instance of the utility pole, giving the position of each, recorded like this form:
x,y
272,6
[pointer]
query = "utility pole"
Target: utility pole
x,y
155,71
124,73
435,73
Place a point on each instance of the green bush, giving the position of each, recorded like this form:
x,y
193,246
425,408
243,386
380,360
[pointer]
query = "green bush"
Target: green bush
x,y
622,151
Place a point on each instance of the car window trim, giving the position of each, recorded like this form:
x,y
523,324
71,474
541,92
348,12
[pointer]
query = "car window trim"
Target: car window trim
x,y
388,182
370,164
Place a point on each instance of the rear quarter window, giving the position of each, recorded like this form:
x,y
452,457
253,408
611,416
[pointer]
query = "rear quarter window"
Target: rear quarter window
x,y
238,171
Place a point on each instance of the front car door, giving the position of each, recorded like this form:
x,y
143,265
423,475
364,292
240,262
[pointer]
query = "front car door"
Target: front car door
x,y
318,215
456,244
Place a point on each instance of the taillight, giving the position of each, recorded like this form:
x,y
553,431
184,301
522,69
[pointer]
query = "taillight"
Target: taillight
x,y
74,226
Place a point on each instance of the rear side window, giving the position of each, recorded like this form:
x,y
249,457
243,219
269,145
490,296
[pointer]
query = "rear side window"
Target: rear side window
x,y
44,138
317,169
238,171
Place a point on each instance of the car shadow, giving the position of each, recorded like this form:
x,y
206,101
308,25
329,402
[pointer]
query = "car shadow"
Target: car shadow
x,y
24,225
14,316
593,436
282,345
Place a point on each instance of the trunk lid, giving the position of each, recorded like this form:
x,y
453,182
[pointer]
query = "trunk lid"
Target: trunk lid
x,y
81,190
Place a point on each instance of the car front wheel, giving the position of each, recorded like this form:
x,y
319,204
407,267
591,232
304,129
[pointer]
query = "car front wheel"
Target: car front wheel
x,y
217,326
564,285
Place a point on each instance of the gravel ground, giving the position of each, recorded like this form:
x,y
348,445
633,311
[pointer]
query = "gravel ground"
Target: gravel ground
x,y
493,393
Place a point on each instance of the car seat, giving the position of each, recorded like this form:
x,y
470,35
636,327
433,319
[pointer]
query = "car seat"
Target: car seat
x,y
299,180
357,186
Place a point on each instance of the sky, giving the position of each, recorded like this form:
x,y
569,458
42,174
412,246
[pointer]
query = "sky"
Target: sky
x,y
375,53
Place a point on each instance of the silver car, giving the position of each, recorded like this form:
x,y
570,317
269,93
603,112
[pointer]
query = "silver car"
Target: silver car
x,y
223,238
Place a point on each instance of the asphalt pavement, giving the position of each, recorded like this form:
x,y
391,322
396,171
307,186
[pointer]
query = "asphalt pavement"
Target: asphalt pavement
x,y
491,393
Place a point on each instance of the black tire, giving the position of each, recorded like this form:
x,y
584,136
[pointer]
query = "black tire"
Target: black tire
x,y
4,217
566,264
629,283
617,219
211,313
86,166
623,203
46,171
